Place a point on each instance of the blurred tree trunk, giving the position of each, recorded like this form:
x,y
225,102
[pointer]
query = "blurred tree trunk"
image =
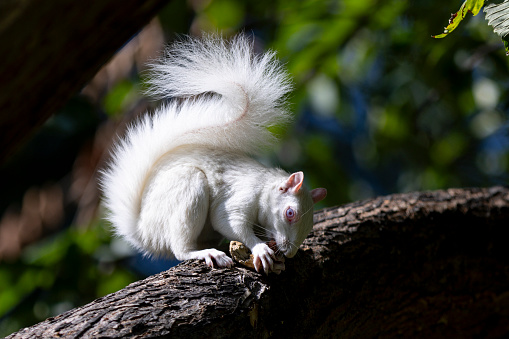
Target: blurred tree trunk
x,y
50,49
429,264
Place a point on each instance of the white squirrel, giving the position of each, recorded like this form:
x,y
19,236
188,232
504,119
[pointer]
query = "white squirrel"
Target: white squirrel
x,y
185,173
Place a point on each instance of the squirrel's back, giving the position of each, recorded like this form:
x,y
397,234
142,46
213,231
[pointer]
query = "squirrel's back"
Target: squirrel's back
x,y
229,98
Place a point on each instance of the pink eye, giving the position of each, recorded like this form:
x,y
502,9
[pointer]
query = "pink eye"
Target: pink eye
x,y
290,214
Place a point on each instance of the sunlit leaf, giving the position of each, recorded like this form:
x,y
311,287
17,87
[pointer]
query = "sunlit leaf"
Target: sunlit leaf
x,y
498,17
469,6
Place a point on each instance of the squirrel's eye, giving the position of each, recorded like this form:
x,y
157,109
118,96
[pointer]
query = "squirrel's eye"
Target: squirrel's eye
x,y
290,214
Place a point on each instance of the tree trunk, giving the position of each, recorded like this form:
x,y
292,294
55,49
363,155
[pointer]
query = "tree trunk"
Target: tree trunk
x,y
428,264
50,50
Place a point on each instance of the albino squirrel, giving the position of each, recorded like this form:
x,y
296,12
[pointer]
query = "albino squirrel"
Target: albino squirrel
x,y
184,174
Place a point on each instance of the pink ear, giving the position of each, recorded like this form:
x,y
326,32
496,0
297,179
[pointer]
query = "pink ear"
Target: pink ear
x,y
318,194
293,183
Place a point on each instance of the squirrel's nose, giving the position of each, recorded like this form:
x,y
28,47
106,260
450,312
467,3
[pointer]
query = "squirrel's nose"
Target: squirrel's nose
x,y
286,248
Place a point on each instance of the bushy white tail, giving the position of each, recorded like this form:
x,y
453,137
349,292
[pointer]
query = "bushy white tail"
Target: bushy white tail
x,y
230,98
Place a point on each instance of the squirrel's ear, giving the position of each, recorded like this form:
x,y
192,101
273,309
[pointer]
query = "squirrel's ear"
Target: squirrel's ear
x,y
318,194
293,183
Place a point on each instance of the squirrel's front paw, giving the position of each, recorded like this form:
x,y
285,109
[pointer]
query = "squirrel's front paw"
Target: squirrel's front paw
x,y
263,258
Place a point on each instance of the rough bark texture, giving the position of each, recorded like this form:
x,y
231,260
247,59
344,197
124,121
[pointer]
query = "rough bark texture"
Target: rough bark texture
x,y
50,49
429,264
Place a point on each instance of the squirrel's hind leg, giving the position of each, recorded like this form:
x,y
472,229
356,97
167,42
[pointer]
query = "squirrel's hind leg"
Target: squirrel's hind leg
x,y
212,257
176,215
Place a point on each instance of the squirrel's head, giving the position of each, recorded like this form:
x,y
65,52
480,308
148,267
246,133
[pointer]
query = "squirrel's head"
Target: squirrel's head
x,y
292,213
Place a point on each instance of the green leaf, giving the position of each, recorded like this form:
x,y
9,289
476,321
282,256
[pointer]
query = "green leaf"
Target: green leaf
x,y
472,6
497,16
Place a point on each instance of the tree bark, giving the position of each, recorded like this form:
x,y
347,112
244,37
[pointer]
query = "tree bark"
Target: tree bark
x,y
426,264
51,49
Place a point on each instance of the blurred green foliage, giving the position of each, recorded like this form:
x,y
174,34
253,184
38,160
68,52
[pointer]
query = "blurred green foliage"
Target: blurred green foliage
x,y
58,273
380,107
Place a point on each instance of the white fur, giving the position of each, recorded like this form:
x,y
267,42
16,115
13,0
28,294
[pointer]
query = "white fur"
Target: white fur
x,y
184,171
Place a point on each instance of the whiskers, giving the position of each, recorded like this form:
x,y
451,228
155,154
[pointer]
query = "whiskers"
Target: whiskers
x,y
279,243
262,232
303,214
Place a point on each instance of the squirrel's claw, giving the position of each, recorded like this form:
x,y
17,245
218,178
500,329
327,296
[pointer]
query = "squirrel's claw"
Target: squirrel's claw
x,y
263,258
213,258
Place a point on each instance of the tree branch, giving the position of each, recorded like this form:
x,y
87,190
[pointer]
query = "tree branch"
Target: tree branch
x,y
408,265
50,50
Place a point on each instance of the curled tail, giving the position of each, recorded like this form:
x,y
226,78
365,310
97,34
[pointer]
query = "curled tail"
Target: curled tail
x,y
230,98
